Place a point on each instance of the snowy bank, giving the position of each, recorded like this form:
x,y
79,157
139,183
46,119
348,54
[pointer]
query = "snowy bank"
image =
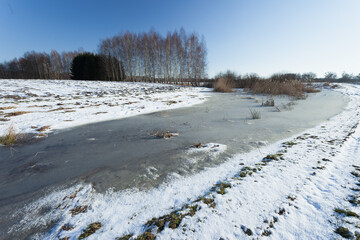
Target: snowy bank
x,y
57,104
287,190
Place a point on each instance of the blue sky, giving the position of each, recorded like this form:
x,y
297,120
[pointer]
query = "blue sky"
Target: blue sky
x,y
260,36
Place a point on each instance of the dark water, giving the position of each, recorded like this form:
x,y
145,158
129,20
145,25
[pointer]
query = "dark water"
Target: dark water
x,y
118,153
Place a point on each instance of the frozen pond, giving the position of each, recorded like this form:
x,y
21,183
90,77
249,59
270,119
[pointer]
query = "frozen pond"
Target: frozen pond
x,y
123,154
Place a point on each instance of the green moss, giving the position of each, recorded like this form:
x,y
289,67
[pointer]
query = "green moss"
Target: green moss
x,y
354,200
266,233
210,202
126,237
246,230
271,157
346,212
146,236
356,174
344,232
91,229
222,186
193,210
175,220
246,168
289,143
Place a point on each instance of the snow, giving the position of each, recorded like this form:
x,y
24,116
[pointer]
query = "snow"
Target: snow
x,y
292,197
63,104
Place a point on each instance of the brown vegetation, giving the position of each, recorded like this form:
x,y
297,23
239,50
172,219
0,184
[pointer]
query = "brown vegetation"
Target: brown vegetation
x,y
255,114
10,138
162,134
6,108
223,85
92,228
270,102
79,209
44,128
13,114
293,88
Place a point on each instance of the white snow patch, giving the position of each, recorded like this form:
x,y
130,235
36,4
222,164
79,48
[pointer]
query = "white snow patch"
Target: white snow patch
x,y
68,103
210,148
251,203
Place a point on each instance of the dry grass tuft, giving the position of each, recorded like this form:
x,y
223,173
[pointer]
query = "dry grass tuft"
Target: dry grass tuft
x,y
10,138
255,114
44,128
59,109
293,88
223,85
91,229
198,145
79,209
270,102
97,113
13,114
163,134
6,108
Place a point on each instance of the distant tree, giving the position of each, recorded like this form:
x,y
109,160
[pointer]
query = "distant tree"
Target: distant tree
x,y
347,76
88,66
330,76
357,77
285,76
177,57
114,70
228,75
309,76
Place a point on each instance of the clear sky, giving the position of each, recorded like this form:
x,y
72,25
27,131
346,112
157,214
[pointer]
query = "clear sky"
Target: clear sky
x,y
261,36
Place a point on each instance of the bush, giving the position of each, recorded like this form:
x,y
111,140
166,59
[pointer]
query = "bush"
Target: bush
x,y
270,102
255,114
293,88
10,138
223,85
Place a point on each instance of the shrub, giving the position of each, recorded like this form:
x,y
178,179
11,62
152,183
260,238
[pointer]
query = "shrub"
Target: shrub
x,y
223,85
10,138
255,114
293,88
269,103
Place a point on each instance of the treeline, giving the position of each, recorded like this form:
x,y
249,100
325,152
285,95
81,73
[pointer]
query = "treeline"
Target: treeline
x,y
89,66
151,57
345,77
35,65
246,80
178,57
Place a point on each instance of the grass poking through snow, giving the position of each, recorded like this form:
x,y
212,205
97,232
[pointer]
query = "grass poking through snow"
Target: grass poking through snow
x,y
255,114
10,137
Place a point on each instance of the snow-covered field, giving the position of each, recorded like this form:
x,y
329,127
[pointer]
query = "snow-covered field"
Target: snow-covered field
x,y
40,106
287,190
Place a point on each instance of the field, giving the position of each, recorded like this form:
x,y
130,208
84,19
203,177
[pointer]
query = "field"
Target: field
x,y
304,186
40,106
